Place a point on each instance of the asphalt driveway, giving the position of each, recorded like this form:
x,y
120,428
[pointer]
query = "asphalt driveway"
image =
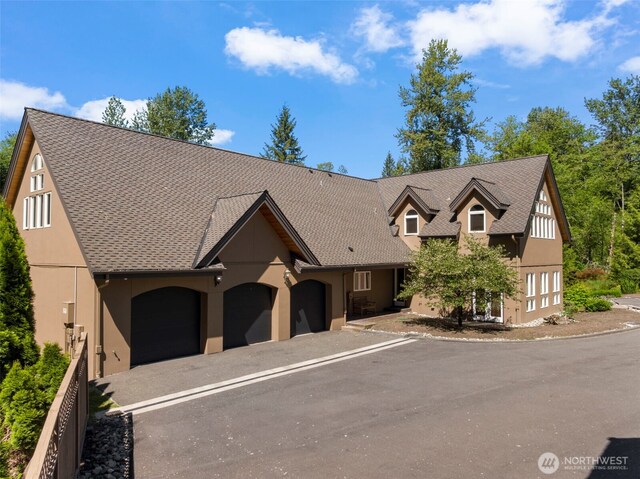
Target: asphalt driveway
x,y
416,409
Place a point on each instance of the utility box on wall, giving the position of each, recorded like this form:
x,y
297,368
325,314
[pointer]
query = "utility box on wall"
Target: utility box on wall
x,y
68,312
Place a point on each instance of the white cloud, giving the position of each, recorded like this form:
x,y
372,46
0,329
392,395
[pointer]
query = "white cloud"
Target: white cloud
x,y
15,96
92,110
263,50
525,31
221,137
632,65
373,26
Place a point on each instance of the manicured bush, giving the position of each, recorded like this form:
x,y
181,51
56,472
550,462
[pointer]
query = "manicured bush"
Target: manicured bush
x,y
576,297
597,304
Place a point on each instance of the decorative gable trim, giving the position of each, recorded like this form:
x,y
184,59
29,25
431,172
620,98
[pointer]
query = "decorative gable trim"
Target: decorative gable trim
x,y
205,258
421,197
490,191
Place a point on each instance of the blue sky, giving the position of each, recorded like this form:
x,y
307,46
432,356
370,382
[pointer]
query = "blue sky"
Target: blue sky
x,y
337,65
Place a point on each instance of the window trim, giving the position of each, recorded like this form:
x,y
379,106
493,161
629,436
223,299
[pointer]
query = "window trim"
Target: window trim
x,y
37,163
409,215
477,212
361,278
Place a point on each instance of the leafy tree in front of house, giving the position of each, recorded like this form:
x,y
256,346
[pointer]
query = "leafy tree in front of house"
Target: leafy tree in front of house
x,y
17,328
439,121
448,278
114,113
284,146
176,113
6,151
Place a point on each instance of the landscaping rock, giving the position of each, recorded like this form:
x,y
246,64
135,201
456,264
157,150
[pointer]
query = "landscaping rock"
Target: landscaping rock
x,y
108,448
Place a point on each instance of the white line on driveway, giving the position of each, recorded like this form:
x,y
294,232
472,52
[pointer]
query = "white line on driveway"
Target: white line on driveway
x,y
210,389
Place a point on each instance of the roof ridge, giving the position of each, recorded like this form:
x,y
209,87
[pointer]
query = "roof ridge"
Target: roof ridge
x,y
466,165
257,157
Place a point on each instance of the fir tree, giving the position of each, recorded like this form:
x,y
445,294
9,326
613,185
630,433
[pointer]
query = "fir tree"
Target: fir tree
x,y
439,119
284,145
389,167
17,329
114,113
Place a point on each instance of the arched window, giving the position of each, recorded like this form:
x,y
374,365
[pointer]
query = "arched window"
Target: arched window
x,y
411,223
38,163
477,220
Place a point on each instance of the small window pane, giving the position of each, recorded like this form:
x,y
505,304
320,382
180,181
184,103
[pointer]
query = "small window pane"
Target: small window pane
x,y
47,209
476,222
411,226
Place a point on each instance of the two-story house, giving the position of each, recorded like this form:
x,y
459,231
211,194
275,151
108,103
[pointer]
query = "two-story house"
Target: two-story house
x,y
159,248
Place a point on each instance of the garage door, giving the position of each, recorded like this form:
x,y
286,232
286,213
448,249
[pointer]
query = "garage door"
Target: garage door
x,y
247,315
307,307
165,324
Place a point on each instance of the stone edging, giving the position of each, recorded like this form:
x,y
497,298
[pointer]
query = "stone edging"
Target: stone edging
x,y
416,335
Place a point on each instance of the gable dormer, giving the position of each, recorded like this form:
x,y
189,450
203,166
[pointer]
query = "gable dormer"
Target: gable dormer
x,y
478,205
413,209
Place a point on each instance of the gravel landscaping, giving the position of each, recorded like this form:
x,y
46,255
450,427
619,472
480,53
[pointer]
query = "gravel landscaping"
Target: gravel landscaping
x,y
583,323
108,448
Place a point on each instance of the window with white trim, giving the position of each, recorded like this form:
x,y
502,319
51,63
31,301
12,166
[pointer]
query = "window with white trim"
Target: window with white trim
x,y
543,225
477,219
37,163
362,281
544,290
531,291
556,287
36,208
411,223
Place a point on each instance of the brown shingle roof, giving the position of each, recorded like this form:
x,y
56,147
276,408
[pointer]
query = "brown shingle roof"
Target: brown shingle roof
x,y
514,183
140,202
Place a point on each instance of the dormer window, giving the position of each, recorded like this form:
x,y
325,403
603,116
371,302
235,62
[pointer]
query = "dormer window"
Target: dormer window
x,y
411,223
477,219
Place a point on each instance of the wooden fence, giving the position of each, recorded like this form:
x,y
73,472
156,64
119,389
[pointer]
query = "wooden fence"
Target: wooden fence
x,y
59,447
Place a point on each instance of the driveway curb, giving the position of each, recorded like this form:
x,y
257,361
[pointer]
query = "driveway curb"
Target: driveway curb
x,y
428,336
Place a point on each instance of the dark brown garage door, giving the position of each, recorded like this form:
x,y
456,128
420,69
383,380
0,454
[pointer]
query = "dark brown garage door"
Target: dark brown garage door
x,y
247,315
165,324
308,307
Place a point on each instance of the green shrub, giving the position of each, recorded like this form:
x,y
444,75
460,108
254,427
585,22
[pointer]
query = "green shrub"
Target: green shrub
x,y
576,297
597,304
629,280
25,397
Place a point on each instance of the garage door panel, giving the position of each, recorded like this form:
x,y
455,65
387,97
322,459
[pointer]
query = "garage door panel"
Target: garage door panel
x,y
247,315
308,310
165,324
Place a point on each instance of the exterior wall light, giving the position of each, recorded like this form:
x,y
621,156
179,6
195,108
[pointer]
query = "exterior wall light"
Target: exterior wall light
x,y
217,278
287,273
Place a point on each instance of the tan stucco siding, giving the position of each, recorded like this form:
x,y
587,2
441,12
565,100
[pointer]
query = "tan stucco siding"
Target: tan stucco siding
x,y
58,270
491,214
413,241
381,291
255,255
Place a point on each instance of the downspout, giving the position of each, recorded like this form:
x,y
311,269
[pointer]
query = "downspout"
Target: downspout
x,y
97,329
344,297
516,242
75,306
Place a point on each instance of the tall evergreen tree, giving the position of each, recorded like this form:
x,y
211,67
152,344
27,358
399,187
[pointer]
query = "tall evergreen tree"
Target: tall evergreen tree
x,y
439,121
17,328
114,113
284,146
389,166
6,151
177,113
